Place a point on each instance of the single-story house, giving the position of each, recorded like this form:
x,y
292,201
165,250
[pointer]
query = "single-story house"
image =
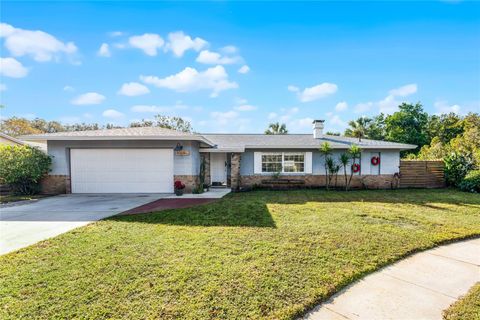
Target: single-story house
x,y
150,159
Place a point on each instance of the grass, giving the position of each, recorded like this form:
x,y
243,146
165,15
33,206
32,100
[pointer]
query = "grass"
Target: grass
x,y
15,198
254,255
467,307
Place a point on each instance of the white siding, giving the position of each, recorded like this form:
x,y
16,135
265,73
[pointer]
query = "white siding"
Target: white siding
x,y
389,162
257,162
308,162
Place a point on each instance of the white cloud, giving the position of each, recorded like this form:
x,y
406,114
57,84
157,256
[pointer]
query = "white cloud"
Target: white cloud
x,y
245,107
189,79
104,50
132,89
68,89
3,87
287,114
147,109
244,69
229,49
148,42
363,107
37,44
388,105
272,115
88,98
404,90
210,57
157,109
112,114
178,43
445,107
341,106
299,124
223,118
336,120
293,88
116,34
314,93
10,67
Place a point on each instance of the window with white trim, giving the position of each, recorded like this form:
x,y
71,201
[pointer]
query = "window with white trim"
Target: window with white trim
x,y
284,162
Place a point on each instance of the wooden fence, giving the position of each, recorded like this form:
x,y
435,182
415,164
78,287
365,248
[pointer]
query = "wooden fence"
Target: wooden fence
x,y
422,174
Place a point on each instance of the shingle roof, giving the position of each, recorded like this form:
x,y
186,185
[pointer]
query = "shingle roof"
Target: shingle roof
x,y
120,132
221,141
138,133
256,141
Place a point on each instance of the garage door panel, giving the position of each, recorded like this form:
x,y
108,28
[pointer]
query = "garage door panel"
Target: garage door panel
x,y
121,170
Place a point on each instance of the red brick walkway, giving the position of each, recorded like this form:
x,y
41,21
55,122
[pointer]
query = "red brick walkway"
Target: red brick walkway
x,y
164,204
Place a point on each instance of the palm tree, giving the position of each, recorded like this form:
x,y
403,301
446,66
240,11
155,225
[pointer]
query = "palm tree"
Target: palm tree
x,y
344,160
358,128
354,152
326,151
276,128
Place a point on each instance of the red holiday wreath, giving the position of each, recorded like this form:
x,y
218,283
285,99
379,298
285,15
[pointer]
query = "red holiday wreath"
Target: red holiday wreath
x,y
355,167
375,161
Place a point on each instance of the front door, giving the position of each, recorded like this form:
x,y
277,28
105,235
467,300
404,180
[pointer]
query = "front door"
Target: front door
x,y
218,168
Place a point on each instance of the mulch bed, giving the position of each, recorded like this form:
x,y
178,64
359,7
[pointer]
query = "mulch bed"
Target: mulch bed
x,y
164,204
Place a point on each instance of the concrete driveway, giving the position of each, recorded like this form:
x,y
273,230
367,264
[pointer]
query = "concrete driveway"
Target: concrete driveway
x,y
26,224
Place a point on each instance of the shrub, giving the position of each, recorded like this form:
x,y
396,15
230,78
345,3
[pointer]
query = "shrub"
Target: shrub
x,y
471,182
456,168
22,167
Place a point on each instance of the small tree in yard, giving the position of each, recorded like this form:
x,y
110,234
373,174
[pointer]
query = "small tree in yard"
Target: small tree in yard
x,y
354,152
333,169
344,160
22,167
326,151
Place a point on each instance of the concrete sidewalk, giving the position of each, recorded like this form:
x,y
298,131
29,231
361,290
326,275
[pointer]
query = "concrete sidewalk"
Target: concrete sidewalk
x,y
419,287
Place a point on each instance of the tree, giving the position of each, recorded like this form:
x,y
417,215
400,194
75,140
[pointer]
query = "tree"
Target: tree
x,y
344,160
143,123
326,151
445,127
47,126
276,128
17,127
23,167
174,123
354,151
358,128
408,125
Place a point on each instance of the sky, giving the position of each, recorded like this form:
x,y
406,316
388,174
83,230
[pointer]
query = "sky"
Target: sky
x,y
237,66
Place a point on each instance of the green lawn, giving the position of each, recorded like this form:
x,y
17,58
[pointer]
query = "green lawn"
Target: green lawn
x,y
257,255
466,308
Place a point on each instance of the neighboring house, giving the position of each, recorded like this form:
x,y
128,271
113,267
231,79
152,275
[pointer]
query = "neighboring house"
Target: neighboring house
x,y
11,141
150,159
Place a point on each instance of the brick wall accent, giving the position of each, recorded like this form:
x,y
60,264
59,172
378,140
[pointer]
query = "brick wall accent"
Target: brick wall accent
x,y
191,182
315,181
235,179
422,174
55,184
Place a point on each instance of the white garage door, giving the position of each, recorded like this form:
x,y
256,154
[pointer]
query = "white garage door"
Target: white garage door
x,y
121,170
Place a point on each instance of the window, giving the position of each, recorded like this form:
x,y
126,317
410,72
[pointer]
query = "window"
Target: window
x,y
283,162
272,162
293,162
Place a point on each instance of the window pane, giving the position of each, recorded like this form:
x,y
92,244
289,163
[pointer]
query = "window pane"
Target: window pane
x,y
272,162
294,162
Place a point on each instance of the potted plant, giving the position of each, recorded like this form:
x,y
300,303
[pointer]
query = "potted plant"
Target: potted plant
x,y
178,186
